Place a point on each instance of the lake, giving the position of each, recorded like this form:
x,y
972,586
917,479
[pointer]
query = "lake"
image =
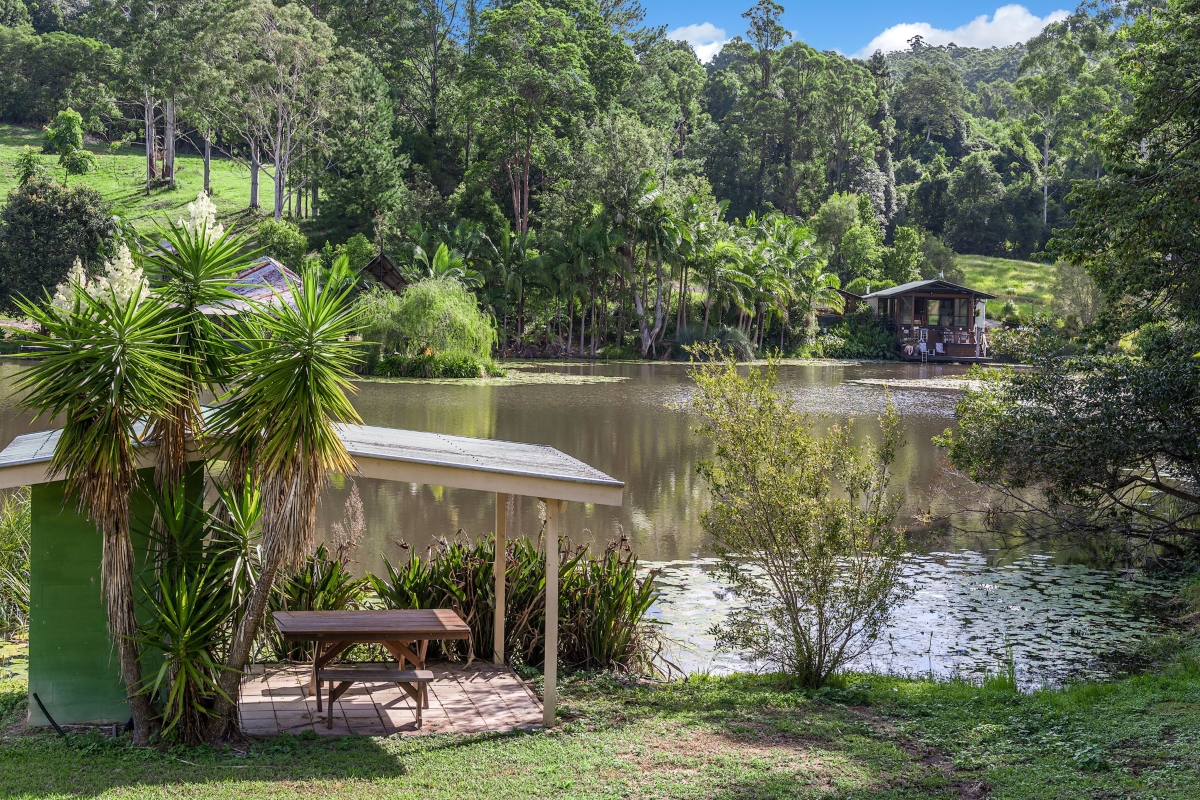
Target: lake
x,y
977,600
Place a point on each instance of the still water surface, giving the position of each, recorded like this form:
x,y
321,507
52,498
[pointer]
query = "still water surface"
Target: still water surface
x,y
976,599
